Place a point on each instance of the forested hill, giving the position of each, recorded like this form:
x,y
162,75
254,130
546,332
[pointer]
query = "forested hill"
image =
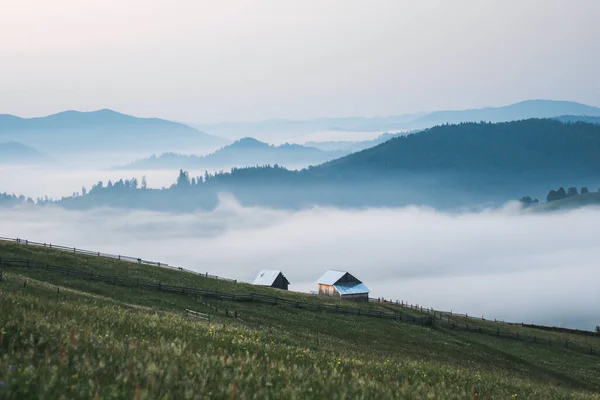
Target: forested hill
x,y
449,166
541,147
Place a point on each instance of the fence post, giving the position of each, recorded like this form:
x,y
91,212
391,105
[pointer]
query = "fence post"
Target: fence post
x,y
498,332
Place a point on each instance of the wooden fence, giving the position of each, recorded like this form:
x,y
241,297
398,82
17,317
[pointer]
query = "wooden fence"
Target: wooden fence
x,y
447,320
207,294
196,315
112,256
432,311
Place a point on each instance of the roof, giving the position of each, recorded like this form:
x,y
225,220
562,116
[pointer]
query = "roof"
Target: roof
x,y
351,288
267,277
331,277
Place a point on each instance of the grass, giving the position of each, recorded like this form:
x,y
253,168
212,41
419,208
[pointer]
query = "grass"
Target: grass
x,y
93,340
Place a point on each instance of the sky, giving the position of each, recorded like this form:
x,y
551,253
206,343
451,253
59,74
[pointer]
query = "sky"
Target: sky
x,y
498,263
205,61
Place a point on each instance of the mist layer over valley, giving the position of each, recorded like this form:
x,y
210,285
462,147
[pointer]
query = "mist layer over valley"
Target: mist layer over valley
x,y
499,263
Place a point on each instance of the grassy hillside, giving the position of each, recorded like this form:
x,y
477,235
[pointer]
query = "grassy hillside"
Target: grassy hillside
x,y
69,336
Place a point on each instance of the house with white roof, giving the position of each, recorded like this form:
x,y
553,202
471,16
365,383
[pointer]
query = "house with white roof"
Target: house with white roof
x,y
271,278
343,285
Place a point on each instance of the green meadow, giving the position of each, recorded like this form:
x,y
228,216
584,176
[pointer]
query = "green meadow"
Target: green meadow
x,y
63,337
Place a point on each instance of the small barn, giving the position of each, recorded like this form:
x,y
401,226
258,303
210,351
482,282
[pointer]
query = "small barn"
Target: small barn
x,y
343,285
271,278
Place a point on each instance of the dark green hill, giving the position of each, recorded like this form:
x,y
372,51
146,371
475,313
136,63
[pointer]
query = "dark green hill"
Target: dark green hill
x,y
540,147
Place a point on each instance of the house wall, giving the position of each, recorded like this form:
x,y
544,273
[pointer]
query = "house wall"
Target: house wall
x,y
356,297
328,290
280,283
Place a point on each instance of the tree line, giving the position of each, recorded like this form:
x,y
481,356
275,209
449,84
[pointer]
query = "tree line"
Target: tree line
x,y
558,194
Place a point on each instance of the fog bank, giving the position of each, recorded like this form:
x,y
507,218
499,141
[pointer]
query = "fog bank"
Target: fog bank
x,y
499,263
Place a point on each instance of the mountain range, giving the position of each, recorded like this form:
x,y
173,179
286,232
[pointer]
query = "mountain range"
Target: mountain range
x,y
448,166
102,131
274,129
242,153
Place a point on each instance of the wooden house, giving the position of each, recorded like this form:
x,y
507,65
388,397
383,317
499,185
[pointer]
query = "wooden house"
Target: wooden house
x,y
271,278
342,285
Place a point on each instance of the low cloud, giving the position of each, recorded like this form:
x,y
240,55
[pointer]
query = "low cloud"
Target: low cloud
x,y
503,263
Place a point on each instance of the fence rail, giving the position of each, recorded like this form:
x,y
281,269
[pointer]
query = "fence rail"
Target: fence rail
x,y
111,256
432,311
197,315
207,294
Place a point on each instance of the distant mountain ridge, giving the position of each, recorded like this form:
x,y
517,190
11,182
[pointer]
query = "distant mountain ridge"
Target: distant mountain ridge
x,y
354,146
101,130
578,118
517,111
244,152
522,110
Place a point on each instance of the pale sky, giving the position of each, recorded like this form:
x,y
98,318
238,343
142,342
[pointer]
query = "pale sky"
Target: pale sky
x,y
207,60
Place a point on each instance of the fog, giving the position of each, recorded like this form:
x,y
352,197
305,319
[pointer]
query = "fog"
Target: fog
x,y
503,263
55,182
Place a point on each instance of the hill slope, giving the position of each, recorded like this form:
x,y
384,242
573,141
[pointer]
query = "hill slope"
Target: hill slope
x,y
242,153
90,337
542,147
102,130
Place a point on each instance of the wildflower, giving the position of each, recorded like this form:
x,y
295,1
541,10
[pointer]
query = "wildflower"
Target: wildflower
x,y
191,373
30,367
11,368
